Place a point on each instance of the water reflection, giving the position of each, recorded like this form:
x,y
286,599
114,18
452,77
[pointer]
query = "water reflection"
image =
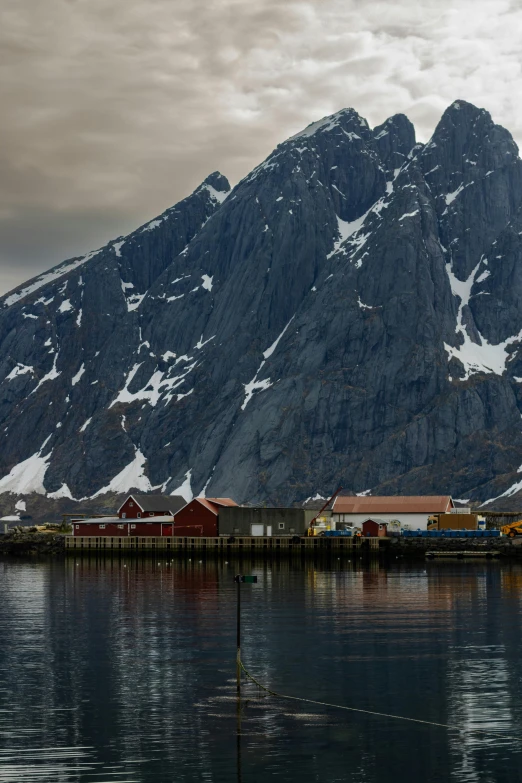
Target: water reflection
x,y
123,670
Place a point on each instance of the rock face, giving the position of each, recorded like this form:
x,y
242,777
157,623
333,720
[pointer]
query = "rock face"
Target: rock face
x,y
348,314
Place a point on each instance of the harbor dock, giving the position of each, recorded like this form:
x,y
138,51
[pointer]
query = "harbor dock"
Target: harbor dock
x,y
377,546
223,544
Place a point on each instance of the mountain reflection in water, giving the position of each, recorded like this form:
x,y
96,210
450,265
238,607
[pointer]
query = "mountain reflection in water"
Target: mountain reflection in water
x,y
123,670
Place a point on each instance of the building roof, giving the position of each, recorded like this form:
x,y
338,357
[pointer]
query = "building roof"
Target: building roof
x,y
98,521
213,504
377,521
410,504
156,502
119,521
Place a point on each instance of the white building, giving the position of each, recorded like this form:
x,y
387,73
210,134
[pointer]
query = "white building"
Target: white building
x,y
411,511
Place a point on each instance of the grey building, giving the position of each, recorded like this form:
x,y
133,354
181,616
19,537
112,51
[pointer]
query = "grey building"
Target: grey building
x,y
241,521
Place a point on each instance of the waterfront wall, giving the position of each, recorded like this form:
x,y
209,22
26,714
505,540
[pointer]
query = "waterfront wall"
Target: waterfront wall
x,y
223,544
418,546
393,547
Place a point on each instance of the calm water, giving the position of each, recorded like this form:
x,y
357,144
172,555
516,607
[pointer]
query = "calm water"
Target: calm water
x,y
123,670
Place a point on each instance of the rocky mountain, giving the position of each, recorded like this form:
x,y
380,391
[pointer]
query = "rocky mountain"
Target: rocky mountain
x,y
350,313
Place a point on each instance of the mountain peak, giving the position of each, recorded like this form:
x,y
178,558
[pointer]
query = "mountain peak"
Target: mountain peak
x,y
466,133
394,140
463,114
347,119
218,181
465,107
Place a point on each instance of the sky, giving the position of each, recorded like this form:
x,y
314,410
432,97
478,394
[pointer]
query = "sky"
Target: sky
x,y
114,110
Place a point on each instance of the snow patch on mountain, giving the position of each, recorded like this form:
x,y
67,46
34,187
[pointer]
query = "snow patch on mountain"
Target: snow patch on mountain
x,y
345,230
157,385
512,490
475,357
85,424
409,214
207,282
181,396
19,369
51,375
134,301
49,277
131,477
255,385
185,489
362,305
78,375
269,351
216,195
117,246
28,476
450,197
153,224
63,492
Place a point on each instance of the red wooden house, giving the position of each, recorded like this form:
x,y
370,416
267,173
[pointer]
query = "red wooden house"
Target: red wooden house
x,y
99,526
375,527
142,506
200,517
140,515
114,526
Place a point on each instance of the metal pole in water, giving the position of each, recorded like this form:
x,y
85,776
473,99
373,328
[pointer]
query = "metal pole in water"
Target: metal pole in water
x,y
250,580
238,579
238,636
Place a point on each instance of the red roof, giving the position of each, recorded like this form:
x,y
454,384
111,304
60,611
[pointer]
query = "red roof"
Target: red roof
x,y
213,504
222,501
412,504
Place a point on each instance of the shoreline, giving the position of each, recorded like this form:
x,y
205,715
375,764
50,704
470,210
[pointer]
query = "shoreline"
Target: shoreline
x,y
416,548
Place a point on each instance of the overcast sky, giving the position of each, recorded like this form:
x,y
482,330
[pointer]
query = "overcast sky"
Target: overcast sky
x,y
113,110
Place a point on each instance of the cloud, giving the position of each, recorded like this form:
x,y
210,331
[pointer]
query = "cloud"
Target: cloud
x,y
113,111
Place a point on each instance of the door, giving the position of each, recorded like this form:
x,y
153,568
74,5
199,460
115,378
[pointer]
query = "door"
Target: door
x,y
269,530
256,530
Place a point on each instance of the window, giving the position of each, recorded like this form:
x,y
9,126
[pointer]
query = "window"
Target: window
x,y
124,516
77,527
281,526
102,527
133,526
151,513
131,504
121,527
138,515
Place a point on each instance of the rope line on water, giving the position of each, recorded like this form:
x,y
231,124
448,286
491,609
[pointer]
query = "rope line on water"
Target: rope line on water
x,y
369,712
